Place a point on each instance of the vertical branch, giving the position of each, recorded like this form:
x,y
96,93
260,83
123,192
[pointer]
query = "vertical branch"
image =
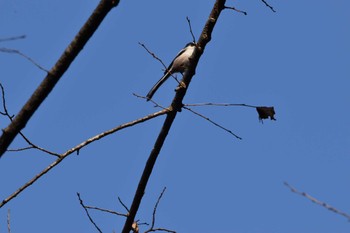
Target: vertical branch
x,y
176,106
56,72
8,221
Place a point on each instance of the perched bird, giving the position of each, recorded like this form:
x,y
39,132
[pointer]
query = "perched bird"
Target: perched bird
x,y
178,65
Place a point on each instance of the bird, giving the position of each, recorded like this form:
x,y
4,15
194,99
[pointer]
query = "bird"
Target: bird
x,y
178,65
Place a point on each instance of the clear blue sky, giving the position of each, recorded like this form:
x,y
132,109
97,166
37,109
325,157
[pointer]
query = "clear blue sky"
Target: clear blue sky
x,y
296,60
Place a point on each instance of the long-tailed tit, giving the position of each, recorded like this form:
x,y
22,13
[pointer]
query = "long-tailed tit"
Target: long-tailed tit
x,y
178,65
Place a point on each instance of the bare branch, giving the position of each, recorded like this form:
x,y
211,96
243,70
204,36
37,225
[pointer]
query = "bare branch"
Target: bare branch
x,y
155,208
175,107
118,128
87,213
152,229
14,51
233,8
161,229
8,221
32,145
316,201
38,147
268,5
263,111
20,149
160,60
13,38
190,26
125,207
106,210
214,123
150,100
78,147
5,113
56,72
153,55
221,105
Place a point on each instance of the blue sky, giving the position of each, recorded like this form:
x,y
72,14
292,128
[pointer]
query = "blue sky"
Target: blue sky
x,y
295,60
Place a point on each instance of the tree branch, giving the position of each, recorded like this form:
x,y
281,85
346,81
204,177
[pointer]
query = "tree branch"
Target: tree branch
x,y
56,72
176,106
77,148
6,50
190,27
105,210
87,213
268,5
214,123
316,201
13,38
8,221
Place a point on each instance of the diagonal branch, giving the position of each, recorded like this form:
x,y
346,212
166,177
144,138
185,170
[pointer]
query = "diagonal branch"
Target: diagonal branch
x,y
125,207
106,210
87,213
176,106
56,72
14,51
77,148
214,123
235,9
13,38
10,117
316,201
269,6
153,55
158,59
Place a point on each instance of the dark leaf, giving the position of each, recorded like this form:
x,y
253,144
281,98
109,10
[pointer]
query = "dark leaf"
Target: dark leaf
x,y
265,113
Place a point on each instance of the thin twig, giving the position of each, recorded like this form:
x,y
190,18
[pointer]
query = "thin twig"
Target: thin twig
x,y
152,229
106,210
221,105
161,229
32,145
235,9
153,55
80,146
160,60
155,208
13,38
5,113
316,201
214,123
20,149
268,5
87,213
6,50
150,100
125,207
38,147
190,26
8,221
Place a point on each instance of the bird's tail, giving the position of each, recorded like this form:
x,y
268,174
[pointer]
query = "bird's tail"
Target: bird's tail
x,y
157,85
